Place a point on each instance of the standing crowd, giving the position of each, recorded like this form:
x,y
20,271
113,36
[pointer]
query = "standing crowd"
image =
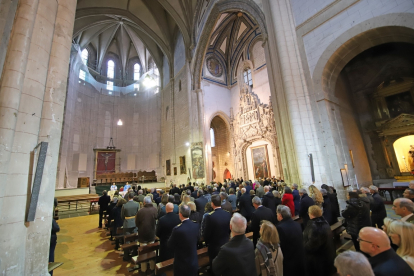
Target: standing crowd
x,y
220,214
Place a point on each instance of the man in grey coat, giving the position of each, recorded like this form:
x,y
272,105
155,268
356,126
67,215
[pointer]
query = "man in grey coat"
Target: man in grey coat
x,y
128,212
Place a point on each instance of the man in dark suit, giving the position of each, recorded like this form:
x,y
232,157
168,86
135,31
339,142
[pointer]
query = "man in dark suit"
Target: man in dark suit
x,y
175,190
200,202
128,212
154,193
225,204
305,203
291,243
261,213
384,260
245,204
296,198
183,244
194,193
236,258
378,208
103,205
269,200
164,228
217,228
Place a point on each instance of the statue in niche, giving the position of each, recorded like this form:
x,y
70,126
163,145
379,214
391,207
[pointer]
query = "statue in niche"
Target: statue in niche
x,y
411,158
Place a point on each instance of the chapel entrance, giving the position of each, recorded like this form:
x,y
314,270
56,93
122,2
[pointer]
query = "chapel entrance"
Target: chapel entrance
x,y
222,162
375,92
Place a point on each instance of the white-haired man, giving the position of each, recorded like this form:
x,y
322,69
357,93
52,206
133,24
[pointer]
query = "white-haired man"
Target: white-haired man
x,y
351,263
231,260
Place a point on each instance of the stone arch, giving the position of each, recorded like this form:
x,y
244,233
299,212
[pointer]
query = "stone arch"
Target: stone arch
x,y
222,115
221,153
222,6
387,28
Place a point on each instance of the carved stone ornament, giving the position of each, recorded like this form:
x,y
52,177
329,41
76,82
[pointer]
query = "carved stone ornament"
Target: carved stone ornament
x,y
214,67
254,121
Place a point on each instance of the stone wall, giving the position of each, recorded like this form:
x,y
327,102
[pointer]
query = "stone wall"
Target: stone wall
x,y
91,120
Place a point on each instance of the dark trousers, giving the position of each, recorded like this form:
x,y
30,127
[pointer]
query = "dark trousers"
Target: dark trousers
x,y
101,213
52,252
356,243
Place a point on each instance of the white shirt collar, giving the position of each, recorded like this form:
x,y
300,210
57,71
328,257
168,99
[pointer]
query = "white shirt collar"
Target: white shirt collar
x,y
406,217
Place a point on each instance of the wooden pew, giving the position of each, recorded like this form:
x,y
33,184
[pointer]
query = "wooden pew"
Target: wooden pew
x,y
145,254
167,266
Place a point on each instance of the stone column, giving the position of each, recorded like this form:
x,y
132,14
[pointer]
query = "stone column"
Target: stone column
x,y
296,130
36,61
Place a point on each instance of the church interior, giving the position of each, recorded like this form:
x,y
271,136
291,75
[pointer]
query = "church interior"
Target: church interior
x,y
162,92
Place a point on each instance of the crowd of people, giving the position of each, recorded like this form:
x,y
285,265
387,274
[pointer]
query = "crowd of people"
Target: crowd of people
x,y
220,214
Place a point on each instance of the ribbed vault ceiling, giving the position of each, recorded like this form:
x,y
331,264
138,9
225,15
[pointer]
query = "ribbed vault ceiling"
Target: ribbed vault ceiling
x,y
133,27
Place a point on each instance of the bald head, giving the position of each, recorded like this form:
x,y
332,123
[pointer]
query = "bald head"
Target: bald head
x,y
373,241
169,207
266,189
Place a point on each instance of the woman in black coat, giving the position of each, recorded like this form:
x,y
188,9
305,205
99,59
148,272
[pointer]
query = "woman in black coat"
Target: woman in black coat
x,y
357,216
334,202
319,248
327,207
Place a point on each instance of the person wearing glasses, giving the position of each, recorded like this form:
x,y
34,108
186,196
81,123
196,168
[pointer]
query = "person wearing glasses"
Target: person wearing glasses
x,y
383,259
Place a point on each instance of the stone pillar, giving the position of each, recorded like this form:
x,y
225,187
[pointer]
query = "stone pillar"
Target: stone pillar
x,y
37,61
294,119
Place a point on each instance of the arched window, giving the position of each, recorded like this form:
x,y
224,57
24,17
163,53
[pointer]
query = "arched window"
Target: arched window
x,y
247,76
212,138
137,74
110,75
84,56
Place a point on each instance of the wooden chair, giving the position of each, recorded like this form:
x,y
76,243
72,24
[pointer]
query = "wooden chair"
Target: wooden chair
x,y
167,266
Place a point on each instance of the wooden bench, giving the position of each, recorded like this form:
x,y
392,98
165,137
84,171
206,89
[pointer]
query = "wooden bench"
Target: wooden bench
x,y
76,199
167,266
337,229
145,254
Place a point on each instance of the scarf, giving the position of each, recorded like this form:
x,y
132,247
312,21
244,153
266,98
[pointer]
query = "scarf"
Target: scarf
x,y
266,251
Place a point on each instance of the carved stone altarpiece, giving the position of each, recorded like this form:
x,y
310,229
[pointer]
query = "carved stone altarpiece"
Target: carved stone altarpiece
x,y
253,122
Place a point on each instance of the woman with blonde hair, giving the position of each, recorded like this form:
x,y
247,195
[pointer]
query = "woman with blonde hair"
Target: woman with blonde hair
x,y
268,255
402,234
316,195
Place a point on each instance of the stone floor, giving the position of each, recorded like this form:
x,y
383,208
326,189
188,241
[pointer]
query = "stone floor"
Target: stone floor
x,y
85,249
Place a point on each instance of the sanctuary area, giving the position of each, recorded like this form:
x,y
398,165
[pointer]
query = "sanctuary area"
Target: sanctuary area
x,y
98,96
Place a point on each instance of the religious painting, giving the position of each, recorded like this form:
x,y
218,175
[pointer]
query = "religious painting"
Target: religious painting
x,y
400,103
175,170
260,162
105,162
214,67
183,168
197,160
168,167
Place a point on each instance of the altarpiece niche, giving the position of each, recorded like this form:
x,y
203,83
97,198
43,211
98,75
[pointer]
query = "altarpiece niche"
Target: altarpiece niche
x,y
254,122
